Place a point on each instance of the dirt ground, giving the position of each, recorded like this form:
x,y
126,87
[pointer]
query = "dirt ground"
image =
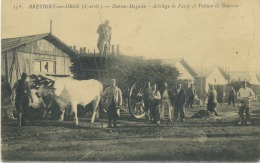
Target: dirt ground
x,y
198,139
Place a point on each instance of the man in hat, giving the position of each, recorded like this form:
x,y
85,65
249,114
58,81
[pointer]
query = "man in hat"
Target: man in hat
x,y
155,100
6,103
178,100
113,96
166,105
104,31
231,96
22,93
191,95
212,101
147,100
245,95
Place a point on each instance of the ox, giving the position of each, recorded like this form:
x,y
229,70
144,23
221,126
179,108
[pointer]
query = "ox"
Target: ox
x,y
67,91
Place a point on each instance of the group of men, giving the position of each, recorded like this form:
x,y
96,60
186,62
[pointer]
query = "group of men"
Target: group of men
x,y
176,98
244,95
21,93
155,102
153,97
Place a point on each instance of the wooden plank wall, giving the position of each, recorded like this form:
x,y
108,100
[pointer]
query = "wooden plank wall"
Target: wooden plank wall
x,y
30,52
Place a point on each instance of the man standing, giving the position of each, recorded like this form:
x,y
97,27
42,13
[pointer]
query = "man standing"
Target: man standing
x,y
231,96
147,100
104,31
178,100
191,95
245,95
212,101
155,100
22,93
113,96
6,103
165,103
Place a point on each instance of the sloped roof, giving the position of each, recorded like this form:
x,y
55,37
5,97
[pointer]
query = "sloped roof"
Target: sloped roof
x,y
189,68
10,43
250,77
225,74
173,62
206,71
258,76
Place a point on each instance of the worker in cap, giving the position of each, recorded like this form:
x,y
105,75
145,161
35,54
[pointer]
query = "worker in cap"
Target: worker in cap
x,y
22,93
147,100
177,98
6,103
212,101
24,75
155,100
245,95
113,98
165,103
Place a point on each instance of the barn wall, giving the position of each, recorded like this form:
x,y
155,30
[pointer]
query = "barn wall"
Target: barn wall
x,y
40,50
216,78
200,85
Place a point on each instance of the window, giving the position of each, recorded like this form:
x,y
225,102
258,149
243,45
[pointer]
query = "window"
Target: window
x,y
44,66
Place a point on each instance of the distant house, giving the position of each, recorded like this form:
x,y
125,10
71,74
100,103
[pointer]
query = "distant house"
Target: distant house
x,y
187,73
211,75
252,78
36,54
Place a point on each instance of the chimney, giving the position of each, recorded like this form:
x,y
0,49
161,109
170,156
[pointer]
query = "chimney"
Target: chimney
x,y
88,51
84,50
117,49
113,49
74,47
94,52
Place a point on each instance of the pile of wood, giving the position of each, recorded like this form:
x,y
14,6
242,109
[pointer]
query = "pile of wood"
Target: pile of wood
x,y
125,69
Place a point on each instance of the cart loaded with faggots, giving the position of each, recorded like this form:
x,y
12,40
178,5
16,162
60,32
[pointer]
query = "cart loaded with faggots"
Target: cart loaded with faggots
x,y
131,74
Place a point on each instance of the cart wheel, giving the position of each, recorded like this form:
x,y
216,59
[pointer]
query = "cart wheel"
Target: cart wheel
x,y
135,101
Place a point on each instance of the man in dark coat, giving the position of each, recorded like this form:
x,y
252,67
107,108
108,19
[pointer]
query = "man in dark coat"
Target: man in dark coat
x,y
212,101
231,97
22,94
6,103
191,95
177,98
147,100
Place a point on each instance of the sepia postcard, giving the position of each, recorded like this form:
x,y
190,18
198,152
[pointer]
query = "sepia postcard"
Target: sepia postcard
x,y
130,80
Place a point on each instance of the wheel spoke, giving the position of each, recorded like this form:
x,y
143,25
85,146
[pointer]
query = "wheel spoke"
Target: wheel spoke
x,y
136,106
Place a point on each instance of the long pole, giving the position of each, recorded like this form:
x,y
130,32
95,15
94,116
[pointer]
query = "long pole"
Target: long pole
x,y
50,26
201,84
100,17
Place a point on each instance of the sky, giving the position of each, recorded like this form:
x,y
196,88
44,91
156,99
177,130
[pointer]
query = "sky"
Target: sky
x,y
229,37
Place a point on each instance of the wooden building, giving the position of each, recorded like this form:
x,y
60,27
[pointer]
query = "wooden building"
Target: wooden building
x,y
211,75
37,54
252,78
187,73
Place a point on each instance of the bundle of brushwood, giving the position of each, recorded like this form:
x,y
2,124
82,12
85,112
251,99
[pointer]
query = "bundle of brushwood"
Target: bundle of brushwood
x,y
127,70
